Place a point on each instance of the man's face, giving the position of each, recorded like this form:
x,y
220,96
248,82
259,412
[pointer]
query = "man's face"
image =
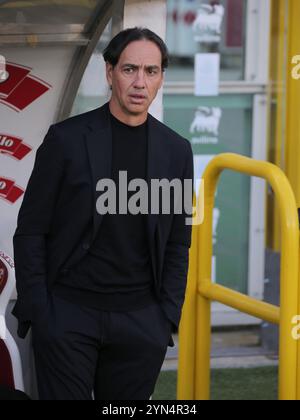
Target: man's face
x,y
136,78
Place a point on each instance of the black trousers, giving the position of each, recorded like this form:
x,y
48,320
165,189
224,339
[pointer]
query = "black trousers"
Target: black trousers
x,y
81,352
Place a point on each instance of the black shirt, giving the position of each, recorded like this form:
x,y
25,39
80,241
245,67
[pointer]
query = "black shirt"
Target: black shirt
x,y
116,273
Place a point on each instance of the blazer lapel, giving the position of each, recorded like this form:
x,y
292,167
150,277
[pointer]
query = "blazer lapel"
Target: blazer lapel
x,y
99,147
157,168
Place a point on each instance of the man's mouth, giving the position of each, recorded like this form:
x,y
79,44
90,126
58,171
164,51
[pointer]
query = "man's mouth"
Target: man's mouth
x,y
138,96
137,99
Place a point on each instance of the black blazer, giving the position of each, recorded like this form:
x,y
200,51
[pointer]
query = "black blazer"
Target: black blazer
x,y
58,220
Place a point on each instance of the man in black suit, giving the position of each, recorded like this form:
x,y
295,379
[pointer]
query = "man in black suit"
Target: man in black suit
x,y
103,292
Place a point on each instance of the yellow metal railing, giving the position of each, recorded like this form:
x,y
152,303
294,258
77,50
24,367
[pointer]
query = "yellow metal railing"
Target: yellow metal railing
x,y
195,327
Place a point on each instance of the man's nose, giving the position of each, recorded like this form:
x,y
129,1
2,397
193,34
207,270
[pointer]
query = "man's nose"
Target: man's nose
x,y
140,80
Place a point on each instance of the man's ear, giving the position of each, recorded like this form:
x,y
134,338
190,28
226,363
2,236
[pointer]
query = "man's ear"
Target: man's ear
x,y
109,70
162,80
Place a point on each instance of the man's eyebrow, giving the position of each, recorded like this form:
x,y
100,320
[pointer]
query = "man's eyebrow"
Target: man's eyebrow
x,y
136,67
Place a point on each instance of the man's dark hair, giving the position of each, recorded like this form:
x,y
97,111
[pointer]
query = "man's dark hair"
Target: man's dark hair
x,y
118,44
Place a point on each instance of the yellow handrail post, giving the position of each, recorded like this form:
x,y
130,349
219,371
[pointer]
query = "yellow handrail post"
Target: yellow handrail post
x,y
289,287
288,292
298,339
203,338
288,278
187,327
298,342
203,341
